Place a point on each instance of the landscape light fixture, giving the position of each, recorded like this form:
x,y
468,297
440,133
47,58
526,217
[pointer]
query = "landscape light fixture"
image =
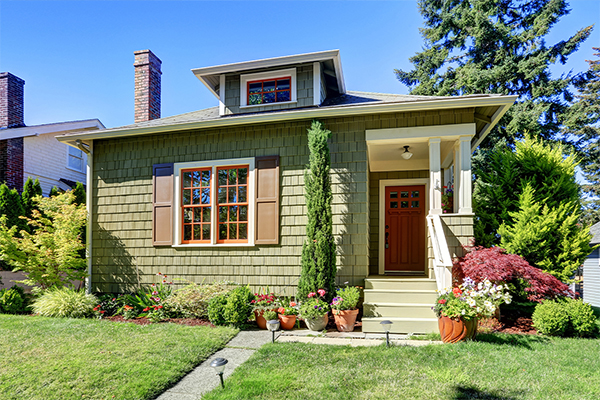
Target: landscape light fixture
x,y
387,325
219,365
407,154
273,325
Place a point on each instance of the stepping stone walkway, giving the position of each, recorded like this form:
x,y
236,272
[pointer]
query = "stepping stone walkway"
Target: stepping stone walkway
x,y
203,378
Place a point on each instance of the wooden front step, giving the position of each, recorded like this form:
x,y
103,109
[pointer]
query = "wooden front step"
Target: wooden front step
x,y
406,302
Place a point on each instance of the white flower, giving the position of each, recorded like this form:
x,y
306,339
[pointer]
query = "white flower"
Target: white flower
x,y
471,302
463,312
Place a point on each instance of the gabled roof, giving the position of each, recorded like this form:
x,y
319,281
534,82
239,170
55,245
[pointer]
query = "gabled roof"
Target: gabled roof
x,y
210,75
64,127
595,231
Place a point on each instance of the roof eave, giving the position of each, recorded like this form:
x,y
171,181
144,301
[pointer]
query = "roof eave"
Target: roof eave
x,y
326,112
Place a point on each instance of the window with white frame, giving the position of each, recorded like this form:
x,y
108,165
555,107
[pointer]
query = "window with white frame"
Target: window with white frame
x,y
268,88
214,206
75,159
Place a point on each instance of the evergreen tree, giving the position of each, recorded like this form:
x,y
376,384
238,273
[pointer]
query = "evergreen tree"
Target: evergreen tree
x,y
55,191
30,190
11,206
527,201
582,122
79,192
318,251
499,47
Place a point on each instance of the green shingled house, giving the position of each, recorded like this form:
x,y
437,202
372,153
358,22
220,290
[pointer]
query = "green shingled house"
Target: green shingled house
x,y
218,194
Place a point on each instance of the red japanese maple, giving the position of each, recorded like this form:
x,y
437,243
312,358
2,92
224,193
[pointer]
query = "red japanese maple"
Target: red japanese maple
x,y
500,267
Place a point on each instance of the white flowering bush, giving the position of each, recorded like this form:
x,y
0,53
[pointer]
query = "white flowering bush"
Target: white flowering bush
x,y
471,300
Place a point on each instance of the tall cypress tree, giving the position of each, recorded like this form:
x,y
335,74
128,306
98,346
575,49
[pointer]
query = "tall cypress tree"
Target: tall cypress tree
x,y
30,190
498,47
318,251
11,206
582,122
79,192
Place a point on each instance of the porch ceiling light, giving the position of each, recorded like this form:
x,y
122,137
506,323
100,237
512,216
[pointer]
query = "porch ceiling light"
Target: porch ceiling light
x,y
407,154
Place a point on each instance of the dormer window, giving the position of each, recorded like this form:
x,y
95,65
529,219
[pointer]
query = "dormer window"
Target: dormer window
x,y
268,88
269,91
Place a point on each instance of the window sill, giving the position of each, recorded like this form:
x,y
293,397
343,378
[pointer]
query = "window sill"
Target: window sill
x,y
269,104
76,170
183,246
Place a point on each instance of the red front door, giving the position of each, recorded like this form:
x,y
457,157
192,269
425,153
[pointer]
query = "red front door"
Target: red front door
x,y
404,228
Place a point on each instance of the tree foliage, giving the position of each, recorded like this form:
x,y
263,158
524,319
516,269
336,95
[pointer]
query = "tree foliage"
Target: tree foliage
x,y
31,189
499,267
11,207
318,250
79,193
527,201
582,123
497,47
49,256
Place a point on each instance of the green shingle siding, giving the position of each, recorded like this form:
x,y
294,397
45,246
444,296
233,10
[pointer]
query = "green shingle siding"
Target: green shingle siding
x,y
122,205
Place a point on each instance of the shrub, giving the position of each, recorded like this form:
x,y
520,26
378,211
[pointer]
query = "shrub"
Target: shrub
x,y
216,309
499,267
269,315
13,300
238,308
192,300
549,318
64,302
581,316
346,298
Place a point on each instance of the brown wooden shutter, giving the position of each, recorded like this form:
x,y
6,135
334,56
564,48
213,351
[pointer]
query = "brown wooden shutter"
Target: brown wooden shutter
x,y
162,204
267,200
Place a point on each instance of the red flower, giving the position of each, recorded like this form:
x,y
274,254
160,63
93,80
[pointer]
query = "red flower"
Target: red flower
x,y
457,292
312,294
102,312
321,292
160,306
146,309
292,304
114,299
281,310
442,301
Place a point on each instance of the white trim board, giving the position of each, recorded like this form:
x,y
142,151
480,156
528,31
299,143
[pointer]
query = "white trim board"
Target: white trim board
x,y
453,131
383,183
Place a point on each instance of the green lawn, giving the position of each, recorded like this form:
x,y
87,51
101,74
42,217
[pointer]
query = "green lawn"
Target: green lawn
x,y
53,358
494,367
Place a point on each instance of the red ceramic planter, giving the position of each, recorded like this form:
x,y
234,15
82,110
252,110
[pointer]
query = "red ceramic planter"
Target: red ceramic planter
x,y
456,330
287,322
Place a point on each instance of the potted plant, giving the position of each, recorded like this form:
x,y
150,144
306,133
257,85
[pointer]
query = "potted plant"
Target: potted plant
x,y
260,304
314,311
287,314
343,307
270,315
459,308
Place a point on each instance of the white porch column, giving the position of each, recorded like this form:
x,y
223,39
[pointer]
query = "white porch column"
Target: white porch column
x,y
435,176
465,191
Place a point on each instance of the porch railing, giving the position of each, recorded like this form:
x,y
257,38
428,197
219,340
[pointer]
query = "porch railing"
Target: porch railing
x,y
442,262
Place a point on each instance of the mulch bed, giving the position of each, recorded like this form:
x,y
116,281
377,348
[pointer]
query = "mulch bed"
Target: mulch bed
x,y
511,321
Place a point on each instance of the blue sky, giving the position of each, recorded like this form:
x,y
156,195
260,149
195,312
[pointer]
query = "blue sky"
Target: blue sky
x,y
77,56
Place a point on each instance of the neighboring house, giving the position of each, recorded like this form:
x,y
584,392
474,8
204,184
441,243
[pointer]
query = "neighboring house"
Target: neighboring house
x,y
33,151
218,194
591,271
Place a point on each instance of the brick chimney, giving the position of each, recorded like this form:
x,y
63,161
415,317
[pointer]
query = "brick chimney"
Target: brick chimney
x,y
11,100
147,85
11,116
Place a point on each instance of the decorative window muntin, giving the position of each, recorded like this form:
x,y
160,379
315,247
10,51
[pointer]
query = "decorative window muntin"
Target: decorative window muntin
x,y
196,205
269,91
232,203
268,76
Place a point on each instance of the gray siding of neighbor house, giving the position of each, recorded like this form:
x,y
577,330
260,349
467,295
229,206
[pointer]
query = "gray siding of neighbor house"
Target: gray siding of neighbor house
x,y
591,279
123,255
304,88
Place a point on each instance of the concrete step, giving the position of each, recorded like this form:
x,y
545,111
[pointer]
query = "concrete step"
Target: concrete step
x,y
401,325
400,296
400,283
398,310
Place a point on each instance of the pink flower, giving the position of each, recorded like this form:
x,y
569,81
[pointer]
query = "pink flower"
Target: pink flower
x,y
321,292
312,294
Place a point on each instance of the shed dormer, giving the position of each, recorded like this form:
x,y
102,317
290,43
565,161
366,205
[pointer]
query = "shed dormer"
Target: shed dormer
x,y
299,81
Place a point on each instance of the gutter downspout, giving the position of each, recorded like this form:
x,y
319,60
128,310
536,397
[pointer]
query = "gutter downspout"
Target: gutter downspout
x,y
88,150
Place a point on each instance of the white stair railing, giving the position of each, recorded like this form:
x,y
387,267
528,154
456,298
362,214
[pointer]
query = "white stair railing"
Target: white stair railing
x,y
442,262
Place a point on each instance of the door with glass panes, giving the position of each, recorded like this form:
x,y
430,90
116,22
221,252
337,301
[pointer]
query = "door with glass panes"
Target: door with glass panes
x,y
404,229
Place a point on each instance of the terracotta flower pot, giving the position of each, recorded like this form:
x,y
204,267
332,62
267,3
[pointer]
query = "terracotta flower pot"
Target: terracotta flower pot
x,y
318,323
345,319
287,322
453,330
260,321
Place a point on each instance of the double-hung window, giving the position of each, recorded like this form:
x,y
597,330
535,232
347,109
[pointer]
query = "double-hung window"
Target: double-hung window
x,y
214,202
75,159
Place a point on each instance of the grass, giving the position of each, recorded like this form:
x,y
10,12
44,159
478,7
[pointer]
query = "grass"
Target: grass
x,y
497,366
56,358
